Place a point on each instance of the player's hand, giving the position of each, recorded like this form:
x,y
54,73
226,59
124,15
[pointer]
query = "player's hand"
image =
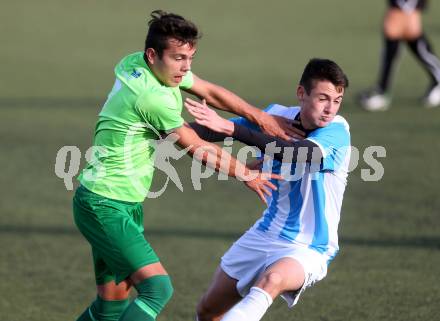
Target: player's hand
x,y
262,185
280,127
207,117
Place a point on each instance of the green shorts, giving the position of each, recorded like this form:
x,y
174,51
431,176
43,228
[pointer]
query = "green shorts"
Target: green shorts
x,y
114,230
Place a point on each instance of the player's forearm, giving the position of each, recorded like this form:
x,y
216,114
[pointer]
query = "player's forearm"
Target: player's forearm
x,y
207,134
282,150
217,158
224,99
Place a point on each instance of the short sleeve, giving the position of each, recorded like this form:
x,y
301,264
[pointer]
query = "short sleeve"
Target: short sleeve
x,y
158,107
334,142
187,81
246,123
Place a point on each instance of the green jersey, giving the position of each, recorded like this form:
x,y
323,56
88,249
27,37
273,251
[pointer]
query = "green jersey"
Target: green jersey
x,y
139,106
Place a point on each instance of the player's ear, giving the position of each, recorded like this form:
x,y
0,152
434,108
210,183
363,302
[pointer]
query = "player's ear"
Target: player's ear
x,y
300,91
151,55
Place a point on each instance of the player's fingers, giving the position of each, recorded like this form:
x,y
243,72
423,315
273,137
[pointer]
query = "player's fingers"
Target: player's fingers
x,y
192,102
294,136
266,191
196,106
274,176
194,111
282,135
290,127
196,115
267,175
189,106
193,108
298,131
189,103
261,196
270,185
295,132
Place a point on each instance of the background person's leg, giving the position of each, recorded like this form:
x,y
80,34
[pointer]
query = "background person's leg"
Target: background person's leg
x,y
423,52
387,62
393,31
394,27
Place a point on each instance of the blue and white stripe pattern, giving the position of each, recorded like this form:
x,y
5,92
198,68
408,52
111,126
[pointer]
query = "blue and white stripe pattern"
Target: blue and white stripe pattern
x,y
305,208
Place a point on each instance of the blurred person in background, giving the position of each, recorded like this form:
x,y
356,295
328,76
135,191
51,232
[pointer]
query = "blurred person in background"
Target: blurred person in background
x,y
403,23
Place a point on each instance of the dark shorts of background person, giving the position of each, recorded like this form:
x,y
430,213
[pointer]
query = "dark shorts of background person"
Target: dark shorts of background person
x,y
114,230
418,4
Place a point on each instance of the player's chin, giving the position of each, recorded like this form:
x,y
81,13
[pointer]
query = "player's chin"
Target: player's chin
x,y
323,123
173,82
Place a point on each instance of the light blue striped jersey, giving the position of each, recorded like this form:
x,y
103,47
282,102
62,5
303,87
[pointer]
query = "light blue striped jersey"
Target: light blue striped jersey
x,y
305,208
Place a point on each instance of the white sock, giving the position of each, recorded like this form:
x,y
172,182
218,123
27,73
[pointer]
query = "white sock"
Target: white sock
x,y
251,308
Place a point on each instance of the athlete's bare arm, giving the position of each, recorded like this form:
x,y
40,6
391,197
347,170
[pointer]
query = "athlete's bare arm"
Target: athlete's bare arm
x,y
224,99
212,155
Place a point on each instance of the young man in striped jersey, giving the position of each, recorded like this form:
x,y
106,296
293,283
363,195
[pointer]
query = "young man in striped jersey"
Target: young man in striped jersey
x,y
289,248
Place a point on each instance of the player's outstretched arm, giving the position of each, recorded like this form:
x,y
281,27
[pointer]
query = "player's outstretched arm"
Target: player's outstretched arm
x,y
224,99
207,117
215,157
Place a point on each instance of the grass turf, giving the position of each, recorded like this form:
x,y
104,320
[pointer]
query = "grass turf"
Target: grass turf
x,y
57,69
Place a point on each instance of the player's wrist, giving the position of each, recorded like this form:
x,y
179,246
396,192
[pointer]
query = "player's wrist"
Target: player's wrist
x,y
227,127
247,175
256,116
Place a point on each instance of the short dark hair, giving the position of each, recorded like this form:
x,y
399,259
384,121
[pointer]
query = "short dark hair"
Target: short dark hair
x,y
164,25
322,69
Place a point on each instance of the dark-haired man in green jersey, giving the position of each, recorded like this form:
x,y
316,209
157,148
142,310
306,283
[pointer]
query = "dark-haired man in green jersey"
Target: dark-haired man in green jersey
x,y
146,100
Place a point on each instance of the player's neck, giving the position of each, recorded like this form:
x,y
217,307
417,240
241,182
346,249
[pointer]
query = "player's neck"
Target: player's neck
x,y
303,124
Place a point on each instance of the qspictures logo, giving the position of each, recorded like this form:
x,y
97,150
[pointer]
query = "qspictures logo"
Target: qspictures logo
x,y
68,159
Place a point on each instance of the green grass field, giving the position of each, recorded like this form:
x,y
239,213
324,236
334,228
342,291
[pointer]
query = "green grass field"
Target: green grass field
x,y
57,64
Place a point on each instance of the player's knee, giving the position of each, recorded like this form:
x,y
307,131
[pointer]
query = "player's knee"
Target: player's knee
x,y
155,291
204,311
271,282
274,278
165,289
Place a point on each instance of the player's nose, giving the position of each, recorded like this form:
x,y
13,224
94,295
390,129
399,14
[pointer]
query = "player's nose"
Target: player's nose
x,y
186,65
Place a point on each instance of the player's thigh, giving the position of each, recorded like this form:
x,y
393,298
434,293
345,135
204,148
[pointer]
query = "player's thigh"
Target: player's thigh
x,y
147,271
115,232
111,291
394,23
221,295
286,274
413,26
106,286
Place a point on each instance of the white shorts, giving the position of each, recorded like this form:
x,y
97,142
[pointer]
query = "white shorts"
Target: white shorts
x,y
254,252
